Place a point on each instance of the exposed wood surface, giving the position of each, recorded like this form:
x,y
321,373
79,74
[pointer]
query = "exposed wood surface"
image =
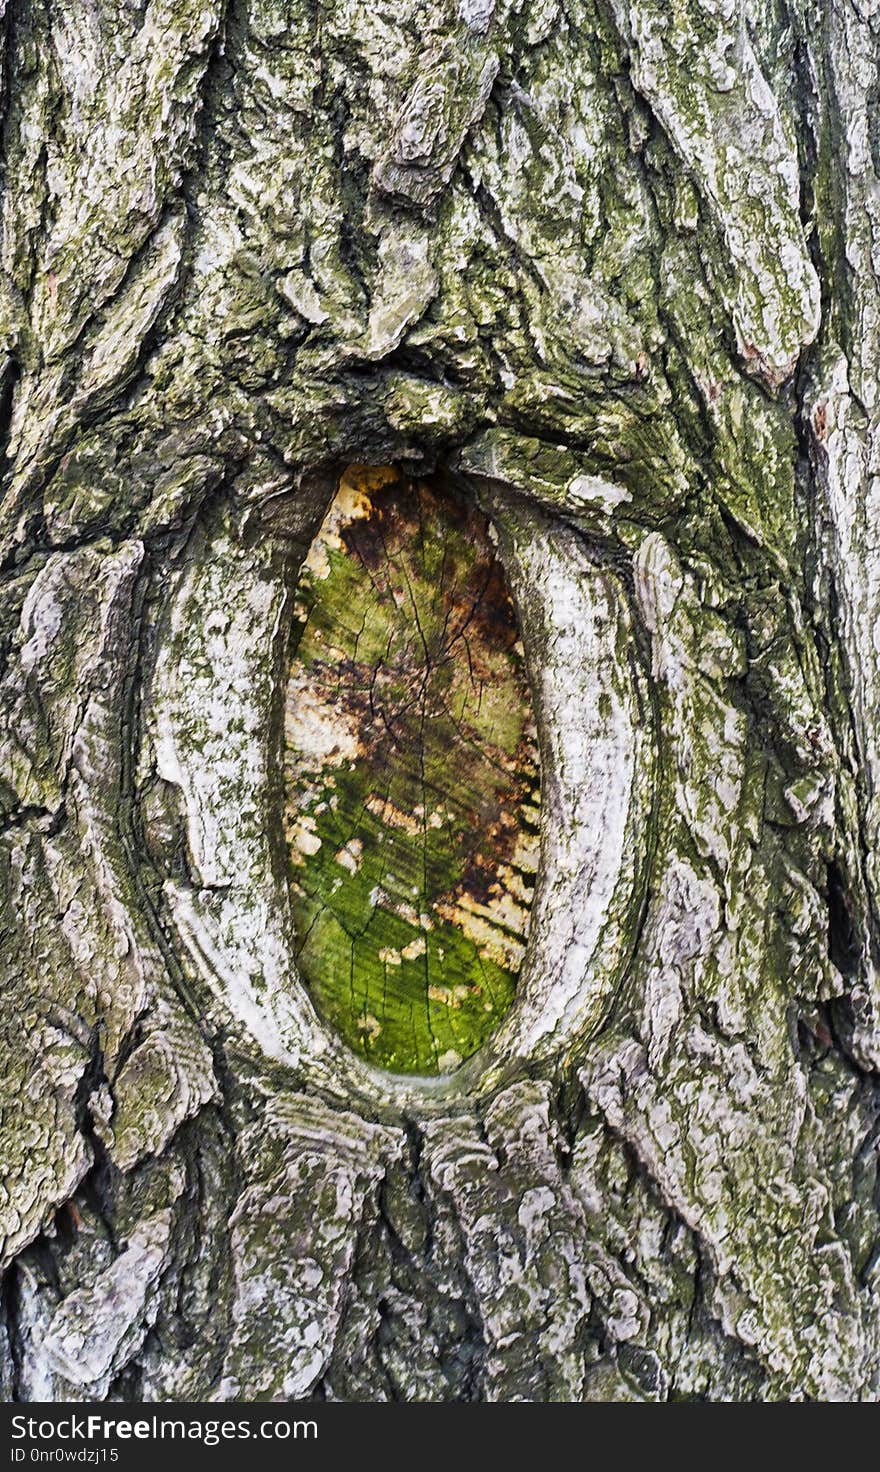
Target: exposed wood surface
x,y
412,775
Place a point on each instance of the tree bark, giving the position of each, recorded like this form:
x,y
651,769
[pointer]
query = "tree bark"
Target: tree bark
x,y
610,267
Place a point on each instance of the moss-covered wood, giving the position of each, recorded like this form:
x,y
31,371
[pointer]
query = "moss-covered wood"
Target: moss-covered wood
x,y
412,774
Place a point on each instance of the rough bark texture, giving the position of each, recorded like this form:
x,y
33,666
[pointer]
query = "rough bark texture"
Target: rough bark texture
x,y
613,268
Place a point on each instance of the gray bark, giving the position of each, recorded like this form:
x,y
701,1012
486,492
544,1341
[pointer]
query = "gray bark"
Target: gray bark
x,y
613,266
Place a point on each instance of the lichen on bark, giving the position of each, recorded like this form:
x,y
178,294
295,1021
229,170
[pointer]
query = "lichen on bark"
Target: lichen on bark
x,y
607,270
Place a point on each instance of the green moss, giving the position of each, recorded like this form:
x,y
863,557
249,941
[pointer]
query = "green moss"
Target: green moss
x,y
412,776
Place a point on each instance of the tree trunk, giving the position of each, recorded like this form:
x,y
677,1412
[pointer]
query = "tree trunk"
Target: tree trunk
x,y
611,270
